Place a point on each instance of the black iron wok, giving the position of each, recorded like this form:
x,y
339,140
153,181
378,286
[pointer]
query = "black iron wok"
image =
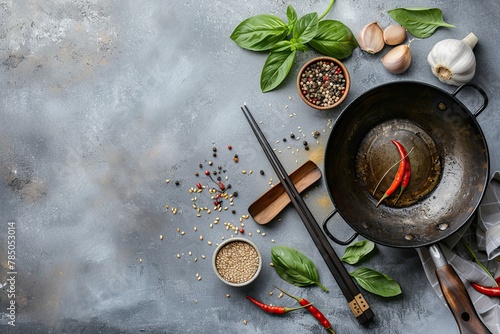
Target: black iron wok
x,y
450,169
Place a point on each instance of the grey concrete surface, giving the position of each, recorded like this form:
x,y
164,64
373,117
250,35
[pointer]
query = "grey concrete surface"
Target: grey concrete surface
x,y
101,102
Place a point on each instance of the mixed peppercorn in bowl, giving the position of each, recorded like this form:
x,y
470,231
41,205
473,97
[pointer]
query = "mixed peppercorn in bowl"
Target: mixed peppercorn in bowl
x,y
323,83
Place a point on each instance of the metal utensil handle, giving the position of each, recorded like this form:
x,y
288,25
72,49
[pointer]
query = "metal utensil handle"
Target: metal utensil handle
x,y
480,90
335,239
456,295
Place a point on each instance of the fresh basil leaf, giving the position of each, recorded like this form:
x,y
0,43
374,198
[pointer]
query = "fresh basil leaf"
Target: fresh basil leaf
x,y
334,39
306,27
260,32
294,267
420,22
357,251
276,68
298,46
376,282
291,14
282,46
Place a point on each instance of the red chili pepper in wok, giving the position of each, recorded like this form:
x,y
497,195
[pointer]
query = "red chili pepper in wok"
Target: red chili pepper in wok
x,y
407,173
273,309
399,174
313,310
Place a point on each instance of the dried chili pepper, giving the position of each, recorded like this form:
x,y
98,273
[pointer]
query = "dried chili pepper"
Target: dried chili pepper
x,y
488,291
273,309
399,174
313,310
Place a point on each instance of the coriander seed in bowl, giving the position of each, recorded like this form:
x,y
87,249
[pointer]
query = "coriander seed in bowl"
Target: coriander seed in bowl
x,y
323,83
237,262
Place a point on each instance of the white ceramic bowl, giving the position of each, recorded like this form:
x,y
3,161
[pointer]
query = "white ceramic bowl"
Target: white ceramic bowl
x,y
238,263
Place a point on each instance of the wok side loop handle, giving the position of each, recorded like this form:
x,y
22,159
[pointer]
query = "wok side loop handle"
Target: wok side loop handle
x,y
456,295
480,91
335,239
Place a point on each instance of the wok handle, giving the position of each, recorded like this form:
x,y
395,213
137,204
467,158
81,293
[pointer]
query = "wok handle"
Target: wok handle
x,y
480,90
456,295
327,232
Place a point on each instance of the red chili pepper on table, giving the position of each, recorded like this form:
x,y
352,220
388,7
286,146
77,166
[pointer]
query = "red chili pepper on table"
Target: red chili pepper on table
x,y
399,174
488,291
313,310
273,309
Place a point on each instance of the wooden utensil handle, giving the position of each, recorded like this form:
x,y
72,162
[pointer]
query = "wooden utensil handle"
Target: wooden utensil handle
x,y
459,301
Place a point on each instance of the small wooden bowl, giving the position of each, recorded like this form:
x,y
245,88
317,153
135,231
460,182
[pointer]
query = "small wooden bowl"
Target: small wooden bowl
x,y
345,84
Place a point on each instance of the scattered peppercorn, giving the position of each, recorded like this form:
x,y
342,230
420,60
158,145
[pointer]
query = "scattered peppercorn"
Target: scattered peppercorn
x,y
177,183
214,155
305,143
214,149
201,165
292,135
262,172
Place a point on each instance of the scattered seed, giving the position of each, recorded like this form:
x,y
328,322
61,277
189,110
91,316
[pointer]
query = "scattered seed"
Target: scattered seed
x,y
244,322
201,237
161,236
203,257
270,293
227,295
178,256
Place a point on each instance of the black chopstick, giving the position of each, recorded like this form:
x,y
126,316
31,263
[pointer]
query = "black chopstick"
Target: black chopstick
x,y
357,303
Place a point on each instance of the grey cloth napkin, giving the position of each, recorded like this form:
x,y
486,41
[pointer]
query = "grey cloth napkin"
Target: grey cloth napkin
x,y
482,234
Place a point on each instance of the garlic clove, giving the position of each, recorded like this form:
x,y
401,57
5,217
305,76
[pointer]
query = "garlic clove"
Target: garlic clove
x,y
398,59
371,38
394,34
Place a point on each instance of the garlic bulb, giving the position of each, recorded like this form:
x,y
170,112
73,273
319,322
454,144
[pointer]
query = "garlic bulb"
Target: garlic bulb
x,y
394,34
371,38
398,59
452,61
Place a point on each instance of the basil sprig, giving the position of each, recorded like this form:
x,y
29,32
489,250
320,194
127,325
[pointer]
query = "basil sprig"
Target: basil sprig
x,y
420,22
267,32
376,282
294,267
354,253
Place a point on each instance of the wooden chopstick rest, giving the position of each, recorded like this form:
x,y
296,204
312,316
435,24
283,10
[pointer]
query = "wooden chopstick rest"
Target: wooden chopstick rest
x,y
273,201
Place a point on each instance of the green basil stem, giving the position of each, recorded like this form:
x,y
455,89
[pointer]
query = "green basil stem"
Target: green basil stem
x,y
327,10
475,259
